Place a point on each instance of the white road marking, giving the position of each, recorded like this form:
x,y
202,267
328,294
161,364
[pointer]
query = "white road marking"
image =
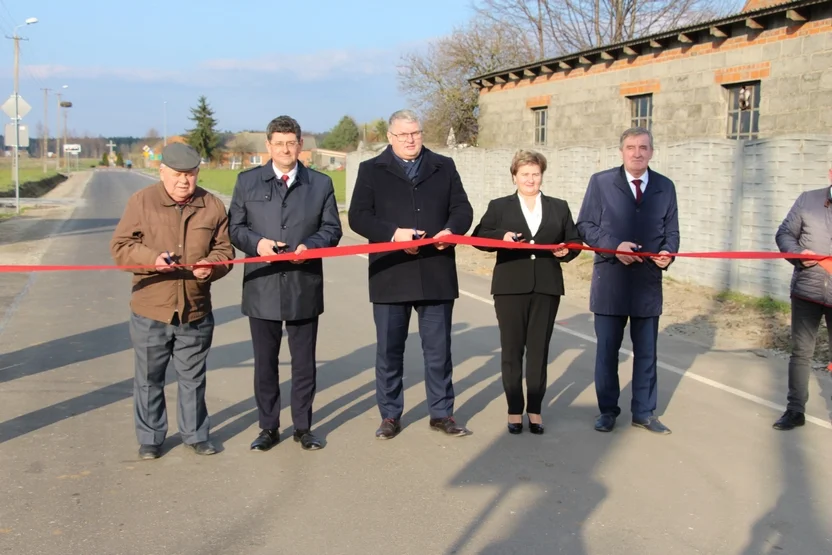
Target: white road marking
x,y
683,373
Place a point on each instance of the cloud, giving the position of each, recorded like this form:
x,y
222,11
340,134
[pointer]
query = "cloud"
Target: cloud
x,y
310,67
314,66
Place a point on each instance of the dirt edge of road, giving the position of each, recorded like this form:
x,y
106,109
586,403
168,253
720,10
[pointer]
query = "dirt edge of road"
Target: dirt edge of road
x,y
24,239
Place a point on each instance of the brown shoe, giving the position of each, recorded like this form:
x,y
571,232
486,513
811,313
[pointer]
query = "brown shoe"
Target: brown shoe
x,y
449,426
389,429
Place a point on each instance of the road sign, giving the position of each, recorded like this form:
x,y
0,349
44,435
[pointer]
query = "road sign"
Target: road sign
x,y
22,106
72,149
10,136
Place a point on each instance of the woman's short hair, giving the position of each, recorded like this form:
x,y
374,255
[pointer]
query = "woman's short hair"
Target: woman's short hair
x,y
528,158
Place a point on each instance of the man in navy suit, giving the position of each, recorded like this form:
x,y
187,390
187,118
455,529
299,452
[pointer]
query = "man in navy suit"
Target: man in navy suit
x,y
409,191
627,209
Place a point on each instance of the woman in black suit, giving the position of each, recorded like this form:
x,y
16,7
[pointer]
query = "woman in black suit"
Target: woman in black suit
x,y
527,284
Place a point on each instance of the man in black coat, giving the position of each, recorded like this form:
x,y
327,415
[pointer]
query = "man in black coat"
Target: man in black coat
x,y
284,207
408,191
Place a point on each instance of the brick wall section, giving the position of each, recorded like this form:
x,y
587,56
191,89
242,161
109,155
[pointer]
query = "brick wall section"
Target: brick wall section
x,y
640,87
738,74
752,5
731,196
588,106
538,101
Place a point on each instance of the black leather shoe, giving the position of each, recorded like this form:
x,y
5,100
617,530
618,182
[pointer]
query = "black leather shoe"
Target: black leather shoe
x,y
652,424
202,448
307,440
536,429
605,423
515,428
449,426
266,440
790,420
148,452
389,429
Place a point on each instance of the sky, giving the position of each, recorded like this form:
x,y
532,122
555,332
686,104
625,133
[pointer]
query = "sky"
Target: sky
x,y
130,67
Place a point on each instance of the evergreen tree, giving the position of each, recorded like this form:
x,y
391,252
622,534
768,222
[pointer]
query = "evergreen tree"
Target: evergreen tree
x,y
119,160
105,160
203,137
343,136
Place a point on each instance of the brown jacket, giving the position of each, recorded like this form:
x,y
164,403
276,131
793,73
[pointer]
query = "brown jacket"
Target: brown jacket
x,y
152,224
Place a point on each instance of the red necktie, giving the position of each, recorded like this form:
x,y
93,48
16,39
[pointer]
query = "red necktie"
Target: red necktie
x,y
285,179
637,183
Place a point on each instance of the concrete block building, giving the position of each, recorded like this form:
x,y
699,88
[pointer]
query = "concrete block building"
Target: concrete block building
x,y
758,74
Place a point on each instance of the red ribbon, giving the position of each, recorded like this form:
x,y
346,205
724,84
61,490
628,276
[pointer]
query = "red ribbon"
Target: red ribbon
x,y
350,250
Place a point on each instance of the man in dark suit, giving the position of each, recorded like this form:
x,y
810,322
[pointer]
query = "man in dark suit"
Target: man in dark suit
x,y
409,191
627,209
284,207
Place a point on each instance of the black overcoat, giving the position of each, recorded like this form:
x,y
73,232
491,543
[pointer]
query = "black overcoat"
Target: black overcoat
x,y
307,213
385,199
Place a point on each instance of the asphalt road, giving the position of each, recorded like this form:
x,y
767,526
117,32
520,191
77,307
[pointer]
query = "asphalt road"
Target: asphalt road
x,y
724,483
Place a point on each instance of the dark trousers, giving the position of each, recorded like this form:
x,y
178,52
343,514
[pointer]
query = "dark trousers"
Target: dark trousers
x,y
526,323
303,339
392,321
644,332
154,344
806,317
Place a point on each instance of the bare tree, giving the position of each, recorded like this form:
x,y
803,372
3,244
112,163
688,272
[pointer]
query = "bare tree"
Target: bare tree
x,y
152,133
558,27
437,79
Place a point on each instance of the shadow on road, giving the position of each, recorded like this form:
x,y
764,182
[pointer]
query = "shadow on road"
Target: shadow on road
x,y
560,466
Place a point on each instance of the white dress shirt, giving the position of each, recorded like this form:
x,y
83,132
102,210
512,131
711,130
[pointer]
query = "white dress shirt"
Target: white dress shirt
x,y
293,173
534,216
632,185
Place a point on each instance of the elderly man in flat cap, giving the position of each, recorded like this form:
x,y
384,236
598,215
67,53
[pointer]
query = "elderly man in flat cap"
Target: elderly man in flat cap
x,y
179,233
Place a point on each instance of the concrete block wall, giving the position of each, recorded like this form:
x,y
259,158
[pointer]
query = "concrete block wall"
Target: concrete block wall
x,y
590,105
732,196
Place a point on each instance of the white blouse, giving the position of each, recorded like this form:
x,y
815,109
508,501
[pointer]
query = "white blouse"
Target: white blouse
x,y
534,216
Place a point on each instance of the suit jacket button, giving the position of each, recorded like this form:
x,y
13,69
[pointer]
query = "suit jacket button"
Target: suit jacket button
x,y
531,242
532,257
283,227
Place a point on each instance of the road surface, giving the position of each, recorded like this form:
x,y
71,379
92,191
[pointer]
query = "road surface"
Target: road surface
x,y
724,482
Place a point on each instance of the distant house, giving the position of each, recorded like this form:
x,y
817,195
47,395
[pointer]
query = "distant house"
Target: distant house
x,y
247,149
153,156
323,159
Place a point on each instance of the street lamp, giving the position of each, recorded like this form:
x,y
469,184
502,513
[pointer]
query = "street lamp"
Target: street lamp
x,y
57,131
16,38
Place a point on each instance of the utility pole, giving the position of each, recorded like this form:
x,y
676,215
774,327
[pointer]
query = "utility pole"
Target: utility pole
x,y
16,121
16,38
45,127
165,125
66,159
58,134
58,130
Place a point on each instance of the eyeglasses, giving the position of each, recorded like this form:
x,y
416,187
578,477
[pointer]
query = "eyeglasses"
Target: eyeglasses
x,y
290,144
402,137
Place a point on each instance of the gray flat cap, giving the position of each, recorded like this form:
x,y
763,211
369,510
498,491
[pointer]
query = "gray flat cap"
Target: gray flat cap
x,y
180,157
